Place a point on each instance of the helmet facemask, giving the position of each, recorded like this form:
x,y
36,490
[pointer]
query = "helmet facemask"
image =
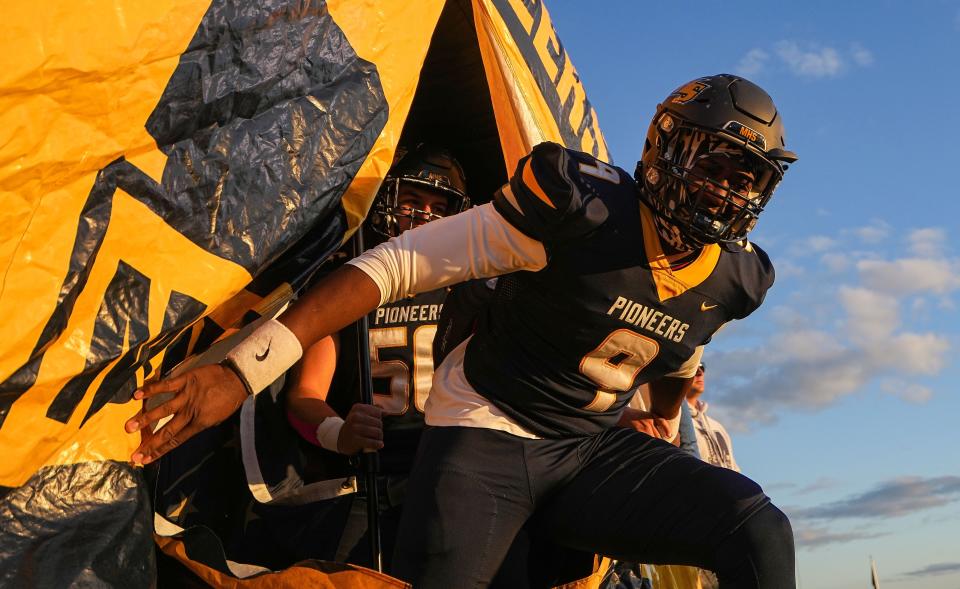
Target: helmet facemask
x,y
428,169
710,186
388,212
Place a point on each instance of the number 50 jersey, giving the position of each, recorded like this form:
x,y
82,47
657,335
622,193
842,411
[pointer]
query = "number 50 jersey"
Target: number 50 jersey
x,y
401,361
562,352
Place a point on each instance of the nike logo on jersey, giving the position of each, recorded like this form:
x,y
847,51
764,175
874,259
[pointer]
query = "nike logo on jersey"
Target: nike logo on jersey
x,y
706,307
263,356
649,318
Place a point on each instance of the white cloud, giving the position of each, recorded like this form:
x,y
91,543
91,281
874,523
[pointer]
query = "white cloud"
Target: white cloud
x,y
817,526
858,322
910,392
818,485
893,498
810,537
912,353
919,305
870,315
835,262
806,346
861,56
805,371
753,63
787,269
823,62
937,569
813,369
873,233
821,484
928,243
815,244
911,275
821,243
809,60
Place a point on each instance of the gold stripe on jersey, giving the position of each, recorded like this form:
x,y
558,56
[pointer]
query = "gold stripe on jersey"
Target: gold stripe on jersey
x,y
602,401
671,283
511,198
530,181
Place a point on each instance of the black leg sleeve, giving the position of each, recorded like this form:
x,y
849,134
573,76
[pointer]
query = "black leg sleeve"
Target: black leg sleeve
x,y
759,555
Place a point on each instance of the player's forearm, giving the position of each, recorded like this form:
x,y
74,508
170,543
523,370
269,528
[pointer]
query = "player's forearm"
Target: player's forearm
x,y
333,303
309,408
475,244
666,395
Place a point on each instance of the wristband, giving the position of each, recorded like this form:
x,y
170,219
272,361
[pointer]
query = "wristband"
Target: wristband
x,y
328,432
264,355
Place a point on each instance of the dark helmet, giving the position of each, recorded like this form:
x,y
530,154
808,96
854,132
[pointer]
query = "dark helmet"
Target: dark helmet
x,y
710,131
424,165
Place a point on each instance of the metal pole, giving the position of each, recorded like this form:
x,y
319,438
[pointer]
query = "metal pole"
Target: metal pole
x,y
369,460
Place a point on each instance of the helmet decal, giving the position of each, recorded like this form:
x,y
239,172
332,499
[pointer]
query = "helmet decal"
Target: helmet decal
x,y
688,91
749,135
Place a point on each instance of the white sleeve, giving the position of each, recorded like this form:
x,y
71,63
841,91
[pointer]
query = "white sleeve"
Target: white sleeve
x,y
477,243
689,368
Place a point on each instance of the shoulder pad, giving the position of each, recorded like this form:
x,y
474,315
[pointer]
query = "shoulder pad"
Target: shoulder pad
x,y
547,198
756,275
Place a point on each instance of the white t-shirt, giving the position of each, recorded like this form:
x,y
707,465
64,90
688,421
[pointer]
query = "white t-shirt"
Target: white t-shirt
x,y
713,441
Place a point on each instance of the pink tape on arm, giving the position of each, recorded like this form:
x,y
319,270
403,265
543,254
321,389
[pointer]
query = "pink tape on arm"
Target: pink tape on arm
x,y
307,431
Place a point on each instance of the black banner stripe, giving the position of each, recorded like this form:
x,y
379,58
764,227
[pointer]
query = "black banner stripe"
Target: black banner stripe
x,y
560,107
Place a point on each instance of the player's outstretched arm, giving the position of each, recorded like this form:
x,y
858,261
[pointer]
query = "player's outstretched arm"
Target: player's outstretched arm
x,y
474,244
207,395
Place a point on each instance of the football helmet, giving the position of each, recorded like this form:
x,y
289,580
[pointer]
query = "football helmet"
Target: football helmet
x,y
713,156
426,166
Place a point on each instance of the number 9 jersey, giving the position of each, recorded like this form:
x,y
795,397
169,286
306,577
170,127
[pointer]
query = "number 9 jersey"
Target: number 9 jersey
x,y
562,352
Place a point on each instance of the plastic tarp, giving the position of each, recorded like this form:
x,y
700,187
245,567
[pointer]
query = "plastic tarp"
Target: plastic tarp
x,y
167,170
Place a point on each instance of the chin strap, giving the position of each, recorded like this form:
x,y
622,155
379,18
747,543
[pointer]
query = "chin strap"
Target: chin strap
x,y
670,235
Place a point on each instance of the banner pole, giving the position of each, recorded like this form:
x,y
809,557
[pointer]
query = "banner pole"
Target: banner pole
x,y
369,460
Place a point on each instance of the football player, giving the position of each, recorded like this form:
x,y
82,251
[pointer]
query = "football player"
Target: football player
x,y
426,184
620,281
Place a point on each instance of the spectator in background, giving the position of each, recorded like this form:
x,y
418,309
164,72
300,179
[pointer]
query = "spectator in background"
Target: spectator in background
x,y
713,441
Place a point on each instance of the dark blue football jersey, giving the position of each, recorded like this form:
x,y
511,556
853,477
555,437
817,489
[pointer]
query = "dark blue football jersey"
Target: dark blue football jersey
x,y
562,351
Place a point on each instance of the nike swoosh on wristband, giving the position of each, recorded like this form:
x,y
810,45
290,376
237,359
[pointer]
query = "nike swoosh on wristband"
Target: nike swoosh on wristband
x,y
705,307
263,356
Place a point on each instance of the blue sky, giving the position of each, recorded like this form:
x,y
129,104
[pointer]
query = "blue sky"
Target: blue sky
x,y
841,389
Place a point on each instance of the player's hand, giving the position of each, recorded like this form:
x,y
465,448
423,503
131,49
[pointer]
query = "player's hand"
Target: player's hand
x,y
362,430
644,421
202,397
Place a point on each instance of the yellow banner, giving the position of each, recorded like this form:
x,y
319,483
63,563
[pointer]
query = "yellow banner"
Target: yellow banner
x,y
166,167
537,94
155,157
